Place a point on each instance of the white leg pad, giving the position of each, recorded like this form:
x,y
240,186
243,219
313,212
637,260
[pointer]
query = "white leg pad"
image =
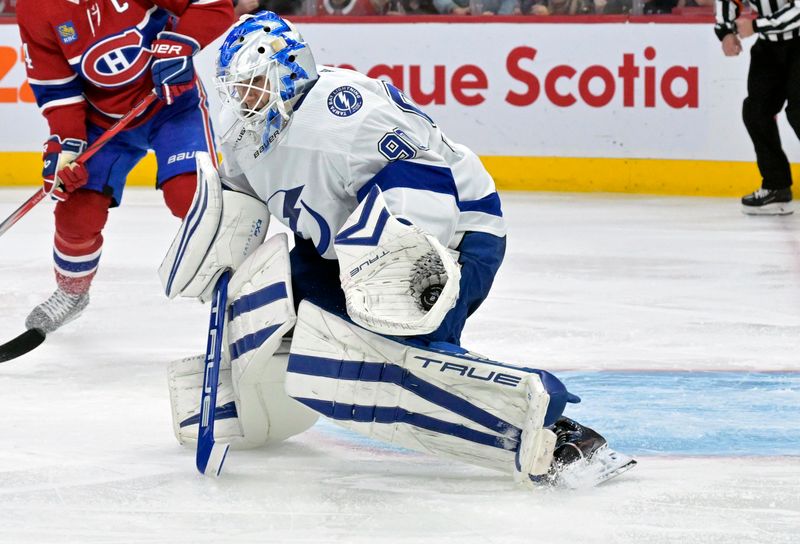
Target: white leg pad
x,y
268,414
253,371
446,403
260,313
185,381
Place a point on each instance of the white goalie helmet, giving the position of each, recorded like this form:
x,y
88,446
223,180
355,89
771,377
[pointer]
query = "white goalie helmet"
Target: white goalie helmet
x,y
264,68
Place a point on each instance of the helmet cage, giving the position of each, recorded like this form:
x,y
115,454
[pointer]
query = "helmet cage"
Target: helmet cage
x,y
258,73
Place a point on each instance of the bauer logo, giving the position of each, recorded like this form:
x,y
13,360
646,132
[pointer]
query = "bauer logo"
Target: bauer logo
x,y
181,157
345,101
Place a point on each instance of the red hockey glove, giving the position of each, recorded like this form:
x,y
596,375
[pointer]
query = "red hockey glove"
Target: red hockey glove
x,y
172,69
60,172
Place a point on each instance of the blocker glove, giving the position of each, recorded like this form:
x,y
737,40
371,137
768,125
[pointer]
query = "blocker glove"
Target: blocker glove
x,y
172,68
61,174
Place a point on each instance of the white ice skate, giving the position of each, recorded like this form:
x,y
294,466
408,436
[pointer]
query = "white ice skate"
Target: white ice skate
x,y
58,310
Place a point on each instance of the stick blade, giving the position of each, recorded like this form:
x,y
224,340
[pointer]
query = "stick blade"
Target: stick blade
x,y
22,344
210,461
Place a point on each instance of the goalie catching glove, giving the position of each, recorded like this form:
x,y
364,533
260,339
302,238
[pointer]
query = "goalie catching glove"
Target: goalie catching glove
x,y
397,279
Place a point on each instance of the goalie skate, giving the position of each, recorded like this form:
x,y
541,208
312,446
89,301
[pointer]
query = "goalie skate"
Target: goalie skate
x,y
582,457
603,465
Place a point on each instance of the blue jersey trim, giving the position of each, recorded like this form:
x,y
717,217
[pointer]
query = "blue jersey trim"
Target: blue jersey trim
x,y
49,93
490,204
412,175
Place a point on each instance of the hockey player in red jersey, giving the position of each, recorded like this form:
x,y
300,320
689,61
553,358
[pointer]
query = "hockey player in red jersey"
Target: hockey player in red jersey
x,y
88,63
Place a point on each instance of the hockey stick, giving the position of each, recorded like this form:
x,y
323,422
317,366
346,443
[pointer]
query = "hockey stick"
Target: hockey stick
x,y
210,454
115,129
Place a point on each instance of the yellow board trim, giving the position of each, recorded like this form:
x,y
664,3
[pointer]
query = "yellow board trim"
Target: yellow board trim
x,y
560,174
24,169
643,176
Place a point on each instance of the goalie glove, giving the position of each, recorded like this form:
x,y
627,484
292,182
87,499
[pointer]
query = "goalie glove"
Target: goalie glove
x,y
396,279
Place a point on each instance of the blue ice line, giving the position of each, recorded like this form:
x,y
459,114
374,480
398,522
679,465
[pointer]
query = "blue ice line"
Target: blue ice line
x,y
690,413
680,413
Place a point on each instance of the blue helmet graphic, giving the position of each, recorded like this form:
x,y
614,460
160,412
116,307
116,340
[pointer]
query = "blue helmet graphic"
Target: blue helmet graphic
x,y
264,67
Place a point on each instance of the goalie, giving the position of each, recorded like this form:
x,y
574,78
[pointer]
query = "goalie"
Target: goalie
x,y
398,234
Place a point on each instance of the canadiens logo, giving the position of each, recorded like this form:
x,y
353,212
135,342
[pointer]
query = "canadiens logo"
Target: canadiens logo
x,y
67,32
344,101
117,60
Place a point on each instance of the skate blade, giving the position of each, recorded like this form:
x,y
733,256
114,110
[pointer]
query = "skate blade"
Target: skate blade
x,y
604,465
777,208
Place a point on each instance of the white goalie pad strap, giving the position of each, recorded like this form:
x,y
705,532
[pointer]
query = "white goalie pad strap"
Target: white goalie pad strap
x,y
536,445
221,229
396,279
265,415
456,405
260,312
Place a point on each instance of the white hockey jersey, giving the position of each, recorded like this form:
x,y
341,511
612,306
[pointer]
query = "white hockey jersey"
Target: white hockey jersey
x,y
349,134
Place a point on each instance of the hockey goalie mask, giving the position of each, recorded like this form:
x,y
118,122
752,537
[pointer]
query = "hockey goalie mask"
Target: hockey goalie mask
x,y
263,69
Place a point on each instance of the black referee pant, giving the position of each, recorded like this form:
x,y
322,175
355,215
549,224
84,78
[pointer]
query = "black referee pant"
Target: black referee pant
x,y
773,79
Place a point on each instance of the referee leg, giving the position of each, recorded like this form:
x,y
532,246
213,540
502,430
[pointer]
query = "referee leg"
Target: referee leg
x,y
766,95
793,85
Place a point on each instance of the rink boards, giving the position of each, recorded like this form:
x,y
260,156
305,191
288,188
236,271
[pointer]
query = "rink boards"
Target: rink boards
x,y
640,108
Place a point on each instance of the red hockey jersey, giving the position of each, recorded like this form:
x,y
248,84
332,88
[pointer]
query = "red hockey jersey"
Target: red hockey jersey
x,y
92,56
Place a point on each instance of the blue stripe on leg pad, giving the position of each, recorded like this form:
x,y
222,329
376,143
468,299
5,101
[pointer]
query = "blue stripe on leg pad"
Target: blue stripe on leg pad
x,y
395,374
252,341
392,414
257,299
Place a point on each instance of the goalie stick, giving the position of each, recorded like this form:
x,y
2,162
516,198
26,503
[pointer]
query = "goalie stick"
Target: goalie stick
x,y
210,454
32,338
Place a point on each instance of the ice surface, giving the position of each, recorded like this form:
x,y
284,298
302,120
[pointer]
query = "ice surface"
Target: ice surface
x,y
627,298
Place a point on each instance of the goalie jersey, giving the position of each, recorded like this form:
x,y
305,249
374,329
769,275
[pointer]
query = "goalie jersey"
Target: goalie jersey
x,y
349,134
